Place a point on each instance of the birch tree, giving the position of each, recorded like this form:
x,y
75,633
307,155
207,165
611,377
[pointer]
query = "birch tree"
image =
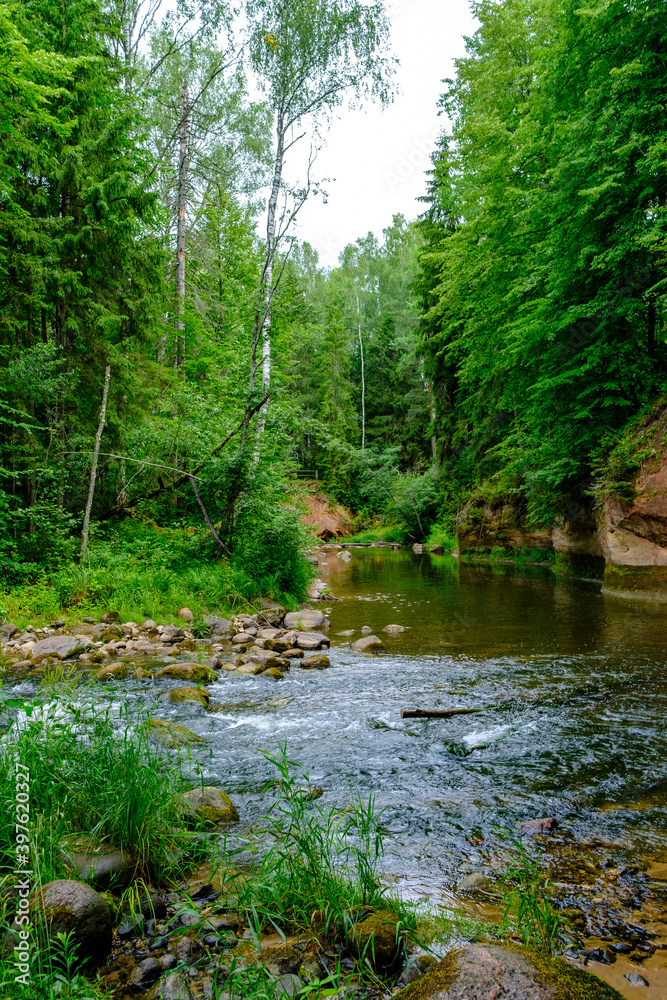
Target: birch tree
x,y
308,57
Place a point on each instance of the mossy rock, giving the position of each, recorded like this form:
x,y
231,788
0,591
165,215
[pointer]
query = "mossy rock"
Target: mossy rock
x,y
170,734
377,939
495,970
197,672
210,804
190,694
273,673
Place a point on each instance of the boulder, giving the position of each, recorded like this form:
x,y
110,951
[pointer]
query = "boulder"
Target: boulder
x,y
171,635
378,939
304,620
394,629
95,862
218,626
486,971
173,987
60,646
274,673
317,662
149,625
311,640
293,654
368,644
186,615
243,637
66,905
196,672
190,694
170,734
210,804
113,671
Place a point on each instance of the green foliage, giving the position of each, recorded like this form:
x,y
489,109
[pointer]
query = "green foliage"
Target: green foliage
x,y
527,903
321,865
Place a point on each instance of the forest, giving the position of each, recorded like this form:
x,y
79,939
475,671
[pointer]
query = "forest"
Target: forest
x,y
497,346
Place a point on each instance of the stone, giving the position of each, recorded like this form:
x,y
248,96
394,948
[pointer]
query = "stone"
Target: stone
x,y
437,550
266,657
544,825
218,626
317,662
486,971
131,926
418,548
344,556
476,880
167,961
175,986
95,862
348,631
274,673
170,734
242,637
368,644
304,620
145,973
113,671
287,986
60,646
311,640
196,672
110,616
184,948
635,979
210,804
366,630
149,625
394,629
171,635
65,905
293,654
415,968
186,615
378,939
190,694
8,630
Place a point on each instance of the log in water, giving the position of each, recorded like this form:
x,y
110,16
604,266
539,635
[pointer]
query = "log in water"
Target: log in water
x,y
436,713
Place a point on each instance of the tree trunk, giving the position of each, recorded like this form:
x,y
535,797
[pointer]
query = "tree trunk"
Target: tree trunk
x,y
93,470
262,324
363,377
179,345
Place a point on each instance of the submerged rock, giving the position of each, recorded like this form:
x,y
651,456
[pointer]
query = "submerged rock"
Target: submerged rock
x,y
113,671
544,825
368,644
484,972
190,694
476,880
170,734
394,629
188,672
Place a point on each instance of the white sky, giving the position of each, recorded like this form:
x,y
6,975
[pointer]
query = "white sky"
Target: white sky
x,y
378,158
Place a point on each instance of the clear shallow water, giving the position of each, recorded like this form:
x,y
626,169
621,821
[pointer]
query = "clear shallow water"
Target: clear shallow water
x,y
572,690
571,687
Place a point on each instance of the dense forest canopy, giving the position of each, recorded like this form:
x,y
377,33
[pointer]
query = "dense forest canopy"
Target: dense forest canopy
x,y
497,346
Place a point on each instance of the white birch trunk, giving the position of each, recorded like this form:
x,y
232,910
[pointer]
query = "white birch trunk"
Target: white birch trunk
x,y
179,345
93,469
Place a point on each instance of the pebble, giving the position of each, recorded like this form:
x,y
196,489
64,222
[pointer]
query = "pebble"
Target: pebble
x,y
635,979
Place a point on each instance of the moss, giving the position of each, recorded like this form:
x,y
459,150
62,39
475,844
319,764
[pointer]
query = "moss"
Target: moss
x,y
439,978
645,580
571,983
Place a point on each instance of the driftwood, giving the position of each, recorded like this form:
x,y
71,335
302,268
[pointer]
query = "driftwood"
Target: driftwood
x,y
435,713
185,477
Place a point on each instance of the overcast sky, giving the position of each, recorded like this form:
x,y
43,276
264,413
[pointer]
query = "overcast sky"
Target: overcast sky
x,y
378,158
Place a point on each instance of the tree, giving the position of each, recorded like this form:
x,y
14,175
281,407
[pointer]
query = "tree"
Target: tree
x,y
307,56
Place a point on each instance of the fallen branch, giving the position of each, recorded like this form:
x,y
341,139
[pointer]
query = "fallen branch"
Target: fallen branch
x,y
436,713
93,468
208,520
186,476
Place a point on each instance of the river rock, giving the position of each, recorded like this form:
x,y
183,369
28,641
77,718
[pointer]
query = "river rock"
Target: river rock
x,y
437,550
66,905
344,555
287,985
60,646
317,662
484,972
368,644
635,979
169,734
394,629
377,938
311,640
190,694
293,653
186,615
170,635
304,620
173,987
110,616
196,672
476,880
243,637
366,630
149,625
113,671
211,804
544,825
143,974
95,862
218,626
418,548
274,673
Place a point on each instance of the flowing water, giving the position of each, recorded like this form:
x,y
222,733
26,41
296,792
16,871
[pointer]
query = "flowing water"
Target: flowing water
x,y
571,691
